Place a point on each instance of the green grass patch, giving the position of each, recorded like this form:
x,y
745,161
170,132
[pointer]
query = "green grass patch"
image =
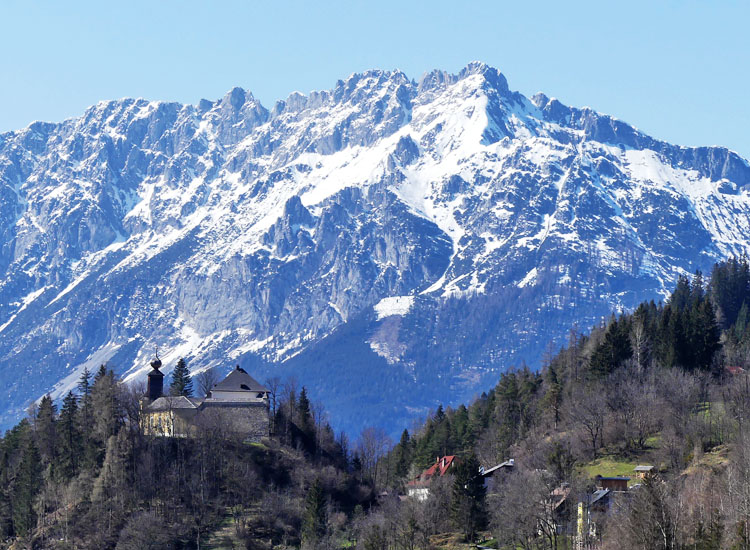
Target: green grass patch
x,y
609,466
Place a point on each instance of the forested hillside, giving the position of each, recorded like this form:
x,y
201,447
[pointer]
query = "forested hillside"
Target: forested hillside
x,y
664,385
86,477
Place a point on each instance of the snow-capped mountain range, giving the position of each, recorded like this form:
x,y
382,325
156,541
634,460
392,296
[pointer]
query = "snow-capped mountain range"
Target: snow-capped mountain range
x,y
392,244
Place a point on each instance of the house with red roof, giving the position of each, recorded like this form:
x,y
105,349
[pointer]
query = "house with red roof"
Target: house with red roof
x,y
419,487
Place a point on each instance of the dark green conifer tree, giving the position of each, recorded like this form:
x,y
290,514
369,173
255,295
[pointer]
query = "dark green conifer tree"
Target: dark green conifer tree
x,y
85,420
71,444
460,429
84,382
181,384
45,428
703,336
305,420
402,455
100,373
314,518
105,400
27,484
442,441
553,397
729,288
426,450
614,349
468,507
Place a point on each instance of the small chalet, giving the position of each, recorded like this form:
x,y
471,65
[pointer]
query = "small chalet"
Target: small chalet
x,y
642,471
615,483
419,487
236,406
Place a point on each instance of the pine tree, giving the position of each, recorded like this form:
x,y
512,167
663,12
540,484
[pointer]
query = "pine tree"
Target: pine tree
x,y
100,373
681,295
305,420
27,485
314,519
468,508
71,447
614,349
403,455
84,382
443,442
46,429
85,421
553,397
460,430
181,384
704,335
105,400
426,449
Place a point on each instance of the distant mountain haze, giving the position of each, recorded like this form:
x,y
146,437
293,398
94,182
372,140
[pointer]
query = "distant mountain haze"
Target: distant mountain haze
x,y
392,244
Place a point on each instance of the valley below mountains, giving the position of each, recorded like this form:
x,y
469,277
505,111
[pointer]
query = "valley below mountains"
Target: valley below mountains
x,y
392,244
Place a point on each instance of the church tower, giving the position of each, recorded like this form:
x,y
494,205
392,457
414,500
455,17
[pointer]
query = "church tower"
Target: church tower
x,y
155,380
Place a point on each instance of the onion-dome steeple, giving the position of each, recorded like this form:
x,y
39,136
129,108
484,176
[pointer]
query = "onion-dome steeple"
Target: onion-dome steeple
x,y
155,379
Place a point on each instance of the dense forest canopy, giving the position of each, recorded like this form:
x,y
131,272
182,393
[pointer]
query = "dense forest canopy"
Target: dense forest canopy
x,y
663,385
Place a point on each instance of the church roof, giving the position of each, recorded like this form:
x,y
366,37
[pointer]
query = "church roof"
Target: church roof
x,y
239,380
167,403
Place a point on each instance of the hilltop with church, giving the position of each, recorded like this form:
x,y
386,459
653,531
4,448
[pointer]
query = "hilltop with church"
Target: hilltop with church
x,y
237,406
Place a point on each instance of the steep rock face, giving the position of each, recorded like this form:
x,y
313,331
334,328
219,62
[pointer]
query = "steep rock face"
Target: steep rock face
x,y
392,244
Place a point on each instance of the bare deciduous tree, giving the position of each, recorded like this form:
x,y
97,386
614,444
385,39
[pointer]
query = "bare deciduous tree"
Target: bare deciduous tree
x,y
207,379
587,408
372,445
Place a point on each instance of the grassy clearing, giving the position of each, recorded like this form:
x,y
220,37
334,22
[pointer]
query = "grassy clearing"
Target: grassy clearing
x,y
608,466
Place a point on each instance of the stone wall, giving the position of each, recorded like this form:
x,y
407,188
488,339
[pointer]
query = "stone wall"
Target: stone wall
x,y
249,421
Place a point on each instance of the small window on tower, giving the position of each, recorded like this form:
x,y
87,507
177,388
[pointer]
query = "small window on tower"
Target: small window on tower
x,y
244,387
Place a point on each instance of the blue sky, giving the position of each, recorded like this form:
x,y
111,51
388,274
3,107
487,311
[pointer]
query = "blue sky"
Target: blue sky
x,y
679,70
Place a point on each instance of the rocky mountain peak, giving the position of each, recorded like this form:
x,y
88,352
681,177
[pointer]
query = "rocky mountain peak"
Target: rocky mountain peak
x,y
380,238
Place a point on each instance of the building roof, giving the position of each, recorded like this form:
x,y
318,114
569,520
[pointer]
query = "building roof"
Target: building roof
x,y
598,495
168,403
239,380
438,469
643,468
613,478
559,495
489,471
